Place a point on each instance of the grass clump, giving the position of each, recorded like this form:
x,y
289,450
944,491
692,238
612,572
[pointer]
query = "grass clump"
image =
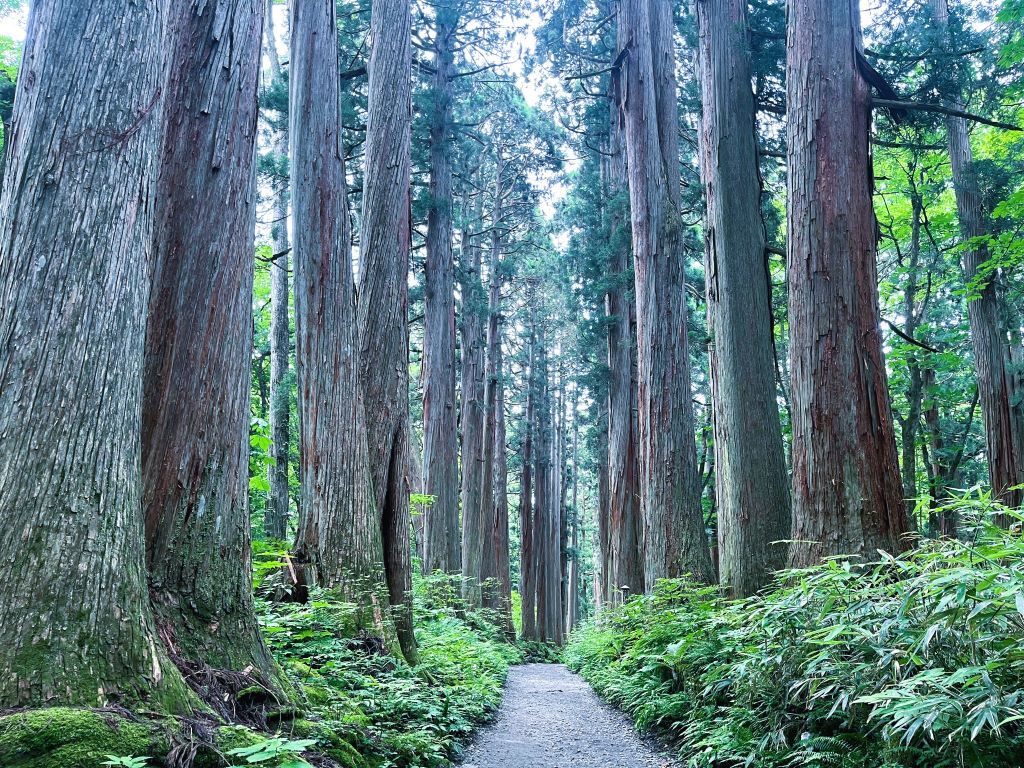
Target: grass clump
x,y
914,661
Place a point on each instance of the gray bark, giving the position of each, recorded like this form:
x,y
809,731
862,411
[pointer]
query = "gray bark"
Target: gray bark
x,y
76,229
751,481
383,295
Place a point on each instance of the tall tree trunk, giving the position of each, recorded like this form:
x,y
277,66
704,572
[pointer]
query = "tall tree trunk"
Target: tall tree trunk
x,y
751,481
76,230
847,497
384,296
472,422
910,424
527,514
489,573
625,562
195,408
604,575
573,588
674,539
339,539
544,574
500,516
1000,402
442,544
278,502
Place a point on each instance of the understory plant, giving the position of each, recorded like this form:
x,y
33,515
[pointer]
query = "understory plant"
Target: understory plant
x,y
910,661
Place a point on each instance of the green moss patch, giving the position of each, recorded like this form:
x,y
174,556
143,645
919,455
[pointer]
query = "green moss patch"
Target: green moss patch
x,y
62,737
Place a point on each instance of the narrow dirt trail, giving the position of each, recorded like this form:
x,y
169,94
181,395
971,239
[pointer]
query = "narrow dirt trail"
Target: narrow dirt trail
x,y
550,717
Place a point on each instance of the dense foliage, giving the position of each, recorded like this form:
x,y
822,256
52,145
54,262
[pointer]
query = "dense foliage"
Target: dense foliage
x,y
373,709
911,661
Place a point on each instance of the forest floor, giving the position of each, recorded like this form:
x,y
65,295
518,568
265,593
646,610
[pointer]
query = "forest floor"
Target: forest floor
x,y
550,717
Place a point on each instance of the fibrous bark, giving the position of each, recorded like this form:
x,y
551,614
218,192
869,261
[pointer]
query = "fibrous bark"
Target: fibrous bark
x,y
383,296
76,230
338,544
847,497
441,541
674,538
195,414
527,514
751,482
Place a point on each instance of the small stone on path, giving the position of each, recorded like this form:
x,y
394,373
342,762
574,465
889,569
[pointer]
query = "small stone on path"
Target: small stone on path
x,y
550,718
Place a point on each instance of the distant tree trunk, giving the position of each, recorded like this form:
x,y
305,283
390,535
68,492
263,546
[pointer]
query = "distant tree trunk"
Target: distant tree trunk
x,y
384,296
675,542
545,574
339,538
847,497
562,476
501,536
278,502
604,577
625,523
751,481
472,421
1001,404
76,232
442,544
573,602
489,573
910,424
195,408
527,515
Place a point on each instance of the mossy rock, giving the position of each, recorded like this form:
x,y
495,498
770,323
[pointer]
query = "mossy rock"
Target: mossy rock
x,y
64,737
226,738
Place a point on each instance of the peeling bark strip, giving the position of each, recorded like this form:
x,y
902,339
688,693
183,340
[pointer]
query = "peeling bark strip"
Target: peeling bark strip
x,y
195,424
339,538
76,230
1001,407
751,482
442,546
384,296
847,497
674,538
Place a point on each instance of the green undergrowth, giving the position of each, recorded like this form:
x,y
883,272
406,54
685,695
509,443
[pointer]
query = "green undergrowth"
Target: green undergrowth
x,y
372,710
910,662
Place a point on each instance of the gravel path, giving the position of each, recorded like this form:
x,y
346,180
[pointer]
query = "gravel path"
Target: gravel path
x,y
550,718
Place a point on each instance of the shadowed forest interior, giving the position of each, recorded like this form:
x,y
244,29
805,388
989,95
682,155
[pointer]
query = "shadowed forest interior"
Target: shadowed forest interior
x,y
355,352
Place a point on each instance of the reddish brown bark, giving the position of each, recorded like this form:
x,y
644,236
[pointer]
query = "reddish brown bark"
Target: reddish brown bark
x,y
847,497
195,415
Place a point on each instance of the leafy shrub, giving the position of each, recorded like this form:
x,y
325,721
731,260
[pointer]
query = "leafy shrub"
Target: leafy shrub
x,y
378,711
912,661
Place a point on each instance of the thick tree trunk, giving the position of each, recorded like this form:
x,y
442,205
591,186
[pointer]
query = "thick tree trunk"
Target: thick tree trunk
x,y
674,539
751,481
339,541
1000,402
195,414
625,525
76,230
442,544
604,578
384,296
278,501
545,575
847,497
472,422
